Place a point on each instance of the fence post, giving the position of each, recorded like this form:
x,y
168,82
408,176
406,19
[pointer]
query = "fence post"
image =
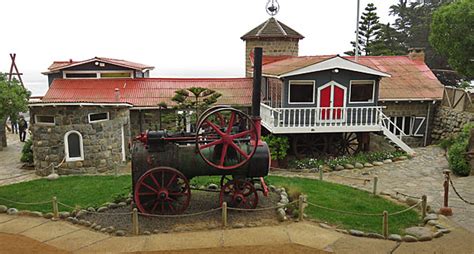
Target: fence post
x,y
135,226
301,202
376,179
446,210
55,208
385,224
320,173
423,206
224,214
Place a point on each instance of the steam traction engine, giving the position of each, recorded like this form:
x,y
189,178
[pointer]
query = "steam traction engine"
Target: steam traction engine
x,y
226,143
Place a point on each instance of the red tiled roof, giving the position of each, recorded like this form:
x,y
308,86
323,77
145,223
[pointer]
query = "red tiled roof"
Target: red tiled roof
x,y
410,79
58,65
146,92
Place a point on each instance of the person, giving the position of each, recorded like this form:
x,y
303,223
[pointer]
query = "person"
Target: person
x,y
14,123
22,126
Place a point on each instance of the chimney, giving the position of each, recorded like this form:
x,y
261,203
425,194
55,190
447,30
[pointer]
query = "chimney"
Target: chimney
x,y
117,94
70,60
416,54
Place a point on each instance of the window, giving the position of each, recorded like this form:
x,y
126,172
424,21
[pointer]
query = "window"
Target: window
x,y
45,120
301,92
362,91
116,75
81,75
73,146
98,117
410,125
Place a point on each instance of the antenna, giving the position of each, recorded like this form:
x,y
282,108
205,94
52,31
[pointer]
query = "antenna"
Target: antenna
x,y
272,7
357,33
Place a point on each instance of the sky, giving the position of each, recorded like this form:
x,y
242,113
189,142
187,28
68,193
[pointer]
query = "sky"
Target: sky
x,y
187,38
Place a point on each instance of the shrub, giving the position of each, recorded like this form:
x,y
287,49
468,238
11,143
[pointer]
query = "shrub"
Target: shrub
x,y
27,152
278,146
457,159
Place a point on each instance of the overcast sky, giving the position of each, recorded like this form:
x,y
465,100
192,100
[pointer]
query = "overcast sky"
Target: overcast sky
x,y
198,38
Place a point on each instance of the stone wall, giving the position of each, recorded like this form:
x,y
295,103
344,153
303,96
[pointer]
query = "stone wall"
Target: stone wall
x,y
271,47
102,141
448,122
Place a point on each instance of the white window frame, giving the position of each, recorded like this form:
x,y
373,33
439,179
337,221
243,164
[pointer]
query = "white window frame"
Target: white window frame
x,y
66,147
98,74
413,121
101,120
45,123
372,100
304,83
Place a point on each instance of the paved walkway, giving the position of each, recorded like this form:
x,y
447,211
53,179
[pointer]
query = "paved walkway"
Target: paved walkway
x,y
10,165
421,175
68,237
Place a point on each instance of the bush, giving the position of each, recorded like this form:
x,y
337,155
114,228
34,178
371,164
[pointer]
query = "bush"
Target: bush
x,y
278,146
457,159
27,152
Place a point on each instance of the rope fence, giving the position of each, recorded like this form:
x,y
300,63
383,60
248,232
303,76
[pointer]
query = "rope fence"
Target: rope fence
x,y
459,195
406,195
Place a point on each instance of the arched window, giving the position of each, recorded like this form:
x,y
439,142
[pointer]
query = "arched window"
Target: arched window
x,y
73,146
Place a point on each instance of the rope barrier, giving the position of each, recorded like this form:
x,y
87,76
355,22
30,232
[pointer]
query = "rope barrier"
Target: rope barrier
x,y
24,203
406,195
354,178
406,210
345,212
180,215
459,195
262,209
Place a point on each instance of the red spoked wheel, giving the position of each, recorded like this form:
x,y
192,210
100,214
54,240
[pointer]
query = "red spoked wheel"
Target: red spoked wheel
x,y
162,190
226,138
239,194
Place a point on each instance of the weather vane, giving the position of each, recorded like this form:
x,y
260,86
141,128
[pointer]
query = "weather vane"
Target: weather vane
x,y
272,7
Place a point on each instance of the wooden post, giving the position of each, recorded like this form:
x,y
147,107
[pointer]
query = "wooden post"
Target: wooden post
x,y
135,226
224,214
55,208
446,210
376,179
385,224
320,174
423,206
301,202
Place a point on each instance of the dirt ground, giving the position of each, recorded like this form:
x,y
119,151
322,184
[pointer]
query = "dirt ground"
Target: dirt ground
x,y
13,244
274,249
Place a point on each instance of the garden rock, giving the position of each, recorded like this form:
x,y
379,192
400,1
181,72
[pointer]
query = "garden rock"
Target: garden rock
x,y
64,215
272,188
431,216
48,215
409,239
377,163
238,225
52,176
356,232
339,168
348,166
112,205
109,229
425,238
324,225
212,186
128,200
156,231
103,230
98,227
146,232
375,235
359,165
3,209
91,209
36,214
342,231
402,158
281,214
122,203
444,230
368,165
119,233
432,223
12,211
438,234
395,237
387,161
284,200
102,209
81,213
419,232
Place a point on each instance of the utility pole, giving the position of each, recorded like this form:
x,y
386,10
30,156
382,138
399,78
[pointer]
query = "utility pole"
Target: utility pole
x,y
357,33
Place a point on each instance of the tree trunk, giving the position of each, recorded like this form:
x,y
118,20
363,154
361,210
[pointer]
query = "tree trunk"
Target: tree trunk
x,y
3,133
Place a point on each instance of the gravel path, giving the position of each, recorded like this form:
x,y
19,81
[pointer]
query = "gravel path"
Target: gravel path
x,y
10,165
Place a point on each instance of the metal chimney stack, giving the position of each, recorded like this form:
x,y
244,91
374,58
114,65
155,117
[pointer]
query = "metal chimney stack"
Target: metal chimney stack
x,y
257,82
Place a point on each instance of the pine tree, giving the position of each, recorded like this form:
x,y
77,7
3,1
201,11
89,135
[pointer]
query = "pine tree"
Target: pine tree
x,y
369,29
387,43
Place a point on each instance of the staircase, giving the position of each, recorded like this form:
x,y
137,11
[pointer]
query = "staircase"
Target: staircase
x,y
387,124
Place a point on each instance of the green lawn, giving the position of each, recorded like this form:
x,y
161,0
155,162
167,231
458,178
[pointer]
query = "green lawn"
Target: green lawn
x,y
85,191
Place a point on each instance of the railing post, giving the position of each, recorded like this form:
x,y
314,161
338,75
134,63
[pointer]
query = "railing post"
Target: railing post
x,y
55,208
446,210
423,206
320,173
376,179
385,224
135,226
301,202
224,214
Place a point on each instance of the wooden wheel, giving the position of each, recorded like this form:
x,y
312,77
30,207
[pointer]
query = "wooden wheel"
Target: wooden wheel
x,y
348,144
310,145
162,190
239,194
229,145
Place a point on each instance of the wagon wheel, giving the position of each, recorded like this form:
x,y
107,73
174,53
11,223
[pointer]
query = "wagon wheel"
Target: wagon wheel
x,y
242,194
310,145
348,144
162,190
229,146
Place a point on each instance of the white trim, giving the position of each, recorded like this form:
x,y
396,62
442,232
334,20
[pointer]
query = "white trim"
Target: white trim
x,y
423,119
66,147
332,83
362,102
302,83
96,121
98,74
80,104
101,60
45,123
333,63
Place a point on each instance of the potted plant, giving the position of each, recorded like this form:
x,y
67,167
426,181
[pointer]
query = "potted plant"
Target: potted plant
x,y
278,146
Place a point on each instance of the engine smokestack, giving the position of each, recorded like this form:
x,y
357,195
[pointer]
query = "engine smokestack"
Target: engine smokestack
x,y
257,82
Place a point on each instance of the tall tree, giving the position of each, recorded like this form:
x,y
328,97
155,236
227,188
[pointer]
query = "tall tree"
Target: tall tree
x,y
387,43
369,29
452,35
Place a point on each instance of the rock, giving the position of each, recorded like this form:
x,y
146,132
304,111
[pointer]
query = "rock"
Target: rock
x,y
258,186
368,165
402,158
73,220
432,222
409,239
110,229
146,232
438,234
375,235
3,209
212,186
91,209
64,215
251,225
36,214
119,233
419,232
356,232
324,225
93,225
439,226
445,231
102,209
338,167
395,237
284,193
359,165
122,204
377,163
425,238
387,161
12,211
411,201
48,215
87,223
81,213
103,230
272,188
128,201
112,205
431,216
156,231
281,214
98,227
342,231
385,193
52,176
238,225
349,166
284,200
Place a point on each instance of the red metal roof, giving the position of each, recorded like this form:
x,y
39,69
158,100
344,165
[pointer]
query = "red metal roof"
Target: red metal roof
x,y
410,79
59,65
146,92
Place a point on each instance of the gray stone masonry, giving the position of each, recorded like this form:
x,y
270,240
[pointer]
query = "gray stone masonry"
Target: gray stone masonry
x,y
450,122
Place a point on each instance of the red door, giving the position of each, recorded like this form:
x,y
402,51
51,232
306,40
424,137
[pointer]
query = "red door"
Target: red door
x,y
338,102
325,101
331,96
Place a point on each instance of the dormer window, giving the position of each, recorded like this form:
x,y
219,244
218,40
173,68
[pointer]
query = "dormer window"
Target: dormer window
x,y
97,74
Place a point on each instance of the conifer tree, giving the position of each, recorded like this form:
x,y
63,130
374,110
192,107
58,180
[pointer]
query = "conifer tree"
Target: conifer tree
x,y
369,28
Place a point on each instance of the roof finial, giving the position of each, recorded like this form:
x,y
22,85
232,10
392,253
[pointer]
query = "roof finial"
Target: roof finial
x,y
272,7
